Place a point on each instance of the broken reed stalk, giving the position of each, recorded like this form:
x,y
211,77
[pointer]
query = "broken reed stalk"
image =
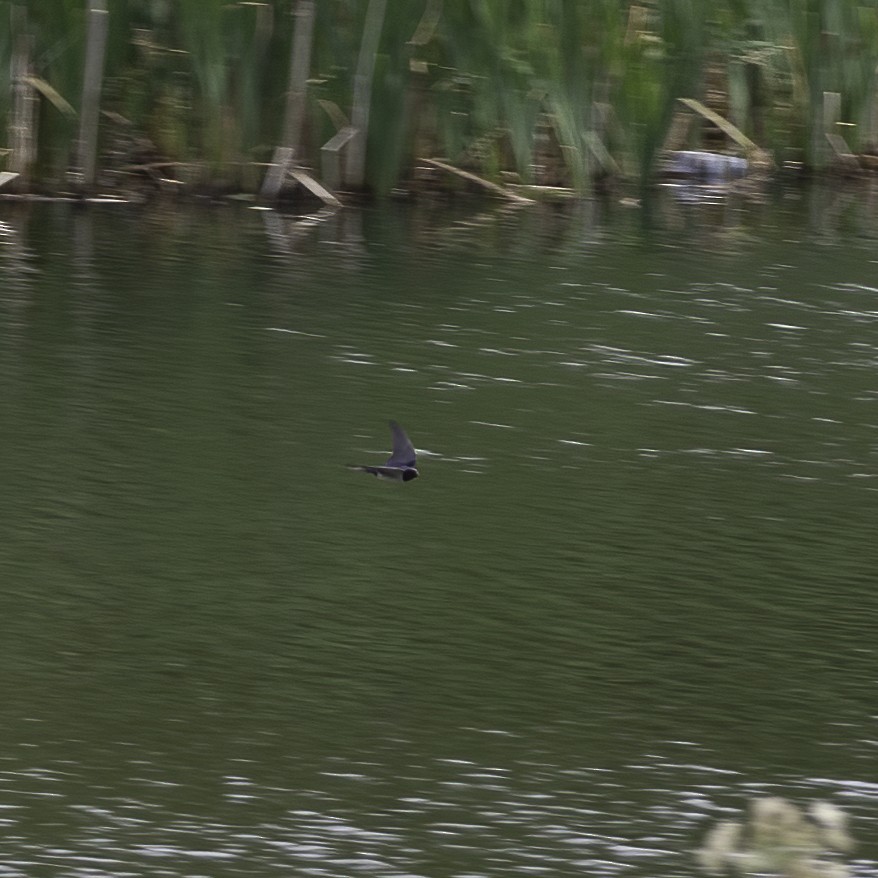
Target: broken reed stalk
x,y
294,112
724,125
356,166
22,127
479,181
314,187
95,51
332,157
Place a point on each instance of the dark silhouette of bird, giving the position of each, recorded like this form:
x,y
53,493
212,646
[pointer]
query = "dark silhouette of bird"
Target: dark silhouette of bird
x,y
401,465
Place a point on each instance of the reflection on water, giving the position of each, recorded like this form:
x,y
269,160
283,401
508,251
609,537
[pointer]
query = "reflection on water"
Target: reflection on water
x,y
633,588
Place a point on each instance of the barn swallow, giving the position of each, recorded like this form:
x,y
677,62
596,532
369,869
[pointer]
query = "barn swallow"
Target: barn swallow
x,y
400,466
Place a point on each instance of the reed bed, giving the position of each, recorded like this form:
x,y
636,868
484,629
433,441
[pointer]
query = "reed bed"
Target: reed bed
x,y
551,93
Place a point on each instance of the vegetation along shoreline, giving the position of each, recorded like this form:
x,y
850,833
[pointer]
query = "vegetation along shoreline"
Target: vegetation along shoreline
x,y
538,99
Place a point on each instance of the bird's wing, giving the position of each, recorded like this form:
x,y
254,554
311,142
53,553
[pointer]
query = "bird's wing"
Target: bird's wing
x,y
403,450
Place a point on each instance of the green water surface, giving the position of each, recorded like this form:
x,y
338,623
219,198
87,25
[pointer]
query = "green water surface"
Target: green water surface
x,y
634,587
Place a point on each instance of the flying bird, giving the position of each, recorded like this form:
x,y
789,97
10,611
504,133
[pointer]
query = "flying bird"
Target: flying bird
x,y
401,465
